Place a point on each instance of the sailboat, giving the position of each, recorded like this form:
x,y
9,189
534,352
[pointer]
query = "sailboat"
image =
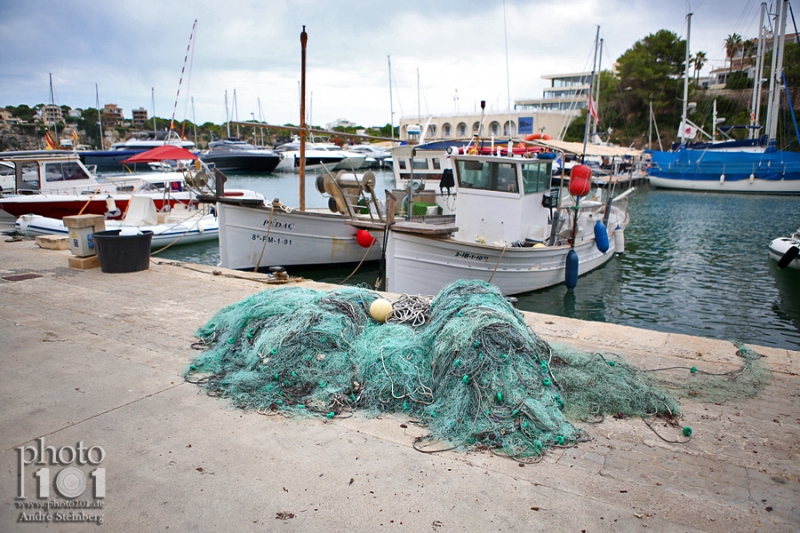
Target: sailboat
x,y
753,165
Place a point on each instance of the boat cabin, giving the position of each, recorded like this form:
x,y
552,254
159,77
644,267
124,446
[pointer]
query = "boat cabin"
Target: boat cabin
x,y
503,199
37,172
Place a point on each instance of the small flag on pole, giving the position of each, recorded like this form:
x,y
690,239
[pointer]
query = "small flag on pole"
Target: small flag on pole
x,y
49,144
75,135
592,110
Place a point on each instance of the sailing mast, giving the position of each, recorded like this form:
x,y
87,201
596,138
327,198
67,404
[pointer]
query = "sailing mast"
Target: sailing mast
x,y
391,100
755,106
597,91
99,115
775,78
591,88
153,98
685,109
303,42
227,115
53,103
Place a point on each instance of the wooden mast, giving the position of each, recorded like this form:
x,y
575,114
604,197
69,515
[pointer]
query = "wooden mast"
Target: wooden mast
x,y
303,41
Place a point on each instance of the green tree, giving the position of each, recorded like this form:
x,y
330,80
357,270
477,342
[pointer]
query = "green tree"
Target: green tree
x,y
733,43
698,61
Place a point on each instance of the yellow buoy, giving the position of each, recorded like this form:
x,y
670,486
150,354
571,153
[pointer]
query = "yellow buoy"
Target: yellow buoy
x,y
380,310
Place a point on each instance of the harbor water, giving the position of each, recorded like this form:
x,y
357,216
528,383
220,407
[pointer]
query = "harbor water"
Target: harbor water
x,y
695,263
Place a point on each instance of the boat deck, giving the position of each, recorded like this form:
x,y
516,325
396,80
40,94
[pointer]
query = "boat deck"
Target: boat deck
x,y
98,358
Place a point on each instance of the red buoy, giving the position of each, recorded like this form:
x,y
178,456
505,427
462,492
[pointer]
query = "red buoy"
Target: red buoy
x,y
580,180
364,239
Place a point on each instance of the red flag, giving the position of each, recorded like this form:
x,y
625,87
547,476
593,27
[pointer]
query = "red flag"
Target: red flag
x,y
592,110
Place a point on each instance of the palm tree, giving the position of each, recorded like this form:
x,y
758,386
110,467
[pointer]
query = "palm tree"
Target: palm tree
x,y
699,60
732,45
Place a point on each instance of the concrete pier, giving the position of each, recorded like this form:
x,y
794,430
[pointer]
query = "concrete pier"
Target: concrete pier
x,y
93,362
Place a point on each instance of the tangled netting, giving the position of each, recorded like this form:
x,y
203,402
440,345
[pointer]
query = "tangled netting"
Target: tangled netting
x,y
470,369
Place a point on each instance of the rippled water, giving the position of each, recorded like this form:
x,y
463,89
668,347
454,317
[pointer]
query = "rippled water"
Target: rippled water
x,y
695,263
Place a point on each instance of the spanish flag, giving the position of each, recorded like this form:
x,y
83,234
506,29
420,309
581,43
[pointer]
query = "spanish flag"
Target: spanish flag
x,y
75,135
49,143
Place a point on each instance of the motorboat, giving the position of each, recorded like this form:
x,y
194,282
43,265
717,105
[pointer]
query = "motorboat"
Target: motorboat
x,y
315,157
511,228
235,155
786,251
377,154
179,226
112,158
319,156
56,184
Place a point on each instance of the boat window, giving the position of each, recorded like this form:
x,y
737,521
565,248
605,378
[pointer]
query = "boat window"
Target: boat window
x,y
30,175
420,164
489,176
436,164
63,172
402,164
536,177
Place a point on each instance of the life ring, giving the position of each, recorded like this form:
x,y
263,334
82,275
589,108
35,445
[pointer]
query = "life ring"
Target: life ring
x,y
533,137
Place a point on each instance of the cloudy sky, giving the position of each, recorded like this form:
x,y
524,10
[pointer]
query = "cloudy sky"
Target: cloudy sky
x,y
130,48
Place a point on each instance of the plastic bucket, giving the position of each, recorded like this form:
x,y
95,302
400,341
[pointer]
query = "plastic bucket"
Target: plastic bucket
x,y
122,253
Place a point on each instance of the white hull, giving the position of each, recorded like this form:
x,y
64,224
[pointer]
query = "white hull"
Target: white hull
x,y
423,265
780,246
198,229
758,186
249,238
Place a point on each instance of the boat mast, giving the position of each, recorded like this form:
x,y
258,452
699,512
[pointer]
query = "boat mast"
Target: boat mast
x,y
391,100
53,103
227,114
755,107
194,122
303,42
236,112
99,114
597,91
685,110
153,99
591,89
776,72
508,79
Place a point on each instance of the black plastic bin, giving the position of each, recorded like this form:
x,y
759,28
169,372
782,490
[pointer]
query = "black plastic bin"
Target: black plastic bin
x,y
122,253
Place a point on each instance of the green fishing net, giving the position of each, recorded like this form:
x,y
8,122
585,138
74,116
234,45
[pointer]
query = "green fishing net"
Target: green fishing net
x,y
470,369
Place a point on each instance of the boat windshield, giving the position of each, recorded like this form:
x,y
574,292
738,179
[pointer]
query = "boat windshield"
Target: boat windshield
x,y
63,172
536,176
489,176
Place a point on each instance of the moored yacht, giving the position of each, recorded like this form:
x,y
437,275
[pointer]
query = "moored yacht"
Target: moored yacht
x,y
234,155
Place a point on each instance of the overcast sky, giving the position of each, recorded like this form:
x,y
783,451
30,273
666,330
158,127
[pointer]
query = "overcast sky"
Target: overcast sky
x,y
128,48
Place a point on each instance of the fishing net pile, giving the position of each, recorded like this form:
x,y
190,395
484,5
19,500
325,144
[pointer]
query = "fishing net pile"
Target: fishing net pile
x,y
466,366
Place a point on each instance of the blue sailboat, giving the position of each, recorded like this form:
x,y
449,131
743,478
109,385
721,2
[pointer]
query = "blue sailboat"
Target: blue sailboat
x,y
753,165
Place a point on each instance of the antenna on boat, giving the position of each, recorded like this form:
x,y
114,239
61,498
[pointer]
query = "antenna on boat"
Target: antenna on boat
x,y
227,115
303,42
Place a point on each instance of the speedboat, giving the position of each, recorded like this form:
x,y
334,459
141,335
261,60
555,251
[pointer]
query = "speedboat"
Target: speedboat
x,y
376,154
56,184
235,155
181,225
112,159
786,251
315,157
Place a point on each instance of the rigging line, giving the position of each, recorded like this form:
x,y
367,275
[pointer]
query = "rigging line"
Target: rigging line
x,y
185,59
188,87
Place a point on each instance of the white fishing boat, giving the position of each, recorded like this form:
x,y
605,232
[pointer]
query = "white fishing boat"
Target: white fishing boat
x,y
179,226
786,251
511,228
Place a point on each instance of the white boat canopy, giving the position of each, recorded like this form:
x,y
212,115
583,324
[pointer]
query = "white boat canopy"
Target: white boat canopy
x,y
591,149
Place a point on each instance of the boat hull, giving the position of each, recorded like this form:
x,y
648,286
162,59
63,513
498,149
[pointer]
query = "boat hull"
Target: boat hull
x,y
59,206
780,246
416,264
775,172
192,231
253,237
262,163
